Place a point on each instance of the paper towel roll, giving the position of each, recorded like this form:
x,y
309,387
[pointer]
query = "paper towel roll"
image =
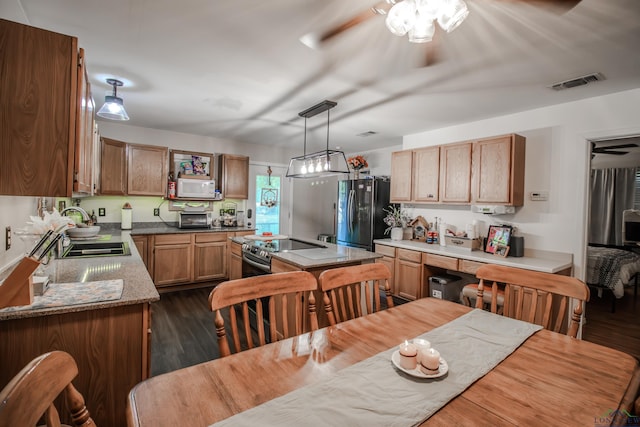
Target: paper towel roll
x,y
127,215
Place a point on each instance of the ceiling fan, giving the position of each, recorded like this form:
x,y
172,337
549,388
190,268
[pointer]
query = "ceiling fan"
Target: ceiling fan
x,y
611,149
318,39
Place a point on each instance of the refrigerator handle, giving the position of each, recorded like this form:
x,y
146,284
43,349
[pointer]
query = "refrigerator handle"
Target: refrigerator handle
x,y
350,210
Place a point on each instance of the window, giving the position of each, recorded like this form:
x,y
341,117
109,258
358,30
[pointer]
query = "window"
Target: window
x,y
268,203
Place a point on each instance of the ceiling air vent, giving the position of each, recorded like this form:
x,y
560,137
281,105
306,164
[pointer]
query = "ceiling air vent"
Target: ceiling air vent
x,y
580,81
367,133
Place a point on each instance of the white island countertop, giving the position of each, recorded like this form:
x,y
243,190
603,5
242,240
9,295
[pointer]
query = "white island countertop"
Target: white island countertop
x,y
536,260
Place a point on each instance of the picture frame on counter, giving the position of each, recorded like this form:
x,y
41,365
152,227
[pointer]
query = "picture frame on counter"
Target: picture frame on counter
x,y
497,237
503,251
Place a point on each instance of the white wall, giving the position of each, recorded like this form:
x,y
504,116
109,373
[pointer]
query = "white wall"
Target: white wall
x,y
557,161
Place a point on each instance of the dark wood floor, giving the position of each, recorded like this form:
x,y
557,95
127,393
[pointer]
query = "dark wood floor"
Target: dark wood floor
x,y
184,333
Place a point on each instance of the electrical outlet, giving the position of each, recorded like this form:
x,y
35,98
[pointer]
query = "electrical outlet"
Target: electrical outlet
x,y
102,212
156,211
7,238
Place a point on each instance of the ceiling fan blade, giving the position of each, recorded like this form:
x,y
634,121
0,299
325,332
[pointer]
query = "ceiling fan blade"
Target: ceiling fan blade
x,y
316,39
556,6
616,153
615,147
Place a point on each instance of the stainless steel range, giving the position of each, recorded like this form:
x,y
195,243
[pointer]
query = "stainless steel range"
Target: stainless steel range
x,y
256,254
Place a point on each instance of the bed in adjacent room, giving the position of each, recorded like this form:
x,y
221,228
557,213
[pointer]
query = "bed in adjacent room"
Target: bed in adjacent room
x,y
612,268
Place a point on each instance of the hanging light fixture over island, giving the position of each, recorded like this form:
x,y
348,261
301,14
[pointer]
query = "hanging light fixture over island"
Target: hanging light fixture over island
x,y
321,163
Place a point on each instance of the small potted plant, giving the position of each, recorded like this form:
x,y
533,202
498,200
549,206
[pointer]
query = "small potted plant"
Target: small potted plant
x,y
395,220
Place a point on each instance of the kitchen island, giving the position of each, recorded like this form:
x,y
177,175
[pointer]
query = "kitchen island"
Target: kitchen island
x,y
108,339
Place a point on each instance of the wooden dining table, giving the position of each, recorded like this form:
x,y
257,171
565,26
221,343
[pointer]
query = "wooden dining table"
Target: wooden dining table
x,y
551,379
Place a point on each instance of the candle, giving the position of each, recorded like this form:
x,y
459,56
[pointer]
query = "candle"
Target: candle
x,y
430,361
421,344
408,355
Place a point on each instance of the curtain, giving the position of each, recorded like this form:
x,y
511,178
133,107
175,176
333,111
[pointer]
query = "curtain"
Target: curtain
x,y
612,191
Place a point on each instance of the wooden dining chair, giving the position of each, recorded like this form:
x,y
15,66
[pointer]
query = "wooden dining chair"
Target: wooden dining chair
x,y
535,297
29,396
278,299
470,292
342,291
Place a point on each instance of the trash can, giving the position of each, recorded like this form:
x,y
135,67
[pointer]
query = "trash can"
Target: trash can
x,y
446,286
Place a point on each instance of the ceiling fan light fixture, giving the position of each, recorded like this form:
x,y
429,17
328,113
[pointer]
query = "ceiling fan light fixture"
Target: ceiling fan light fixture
x,y
451,14
401,17
416,18
113,107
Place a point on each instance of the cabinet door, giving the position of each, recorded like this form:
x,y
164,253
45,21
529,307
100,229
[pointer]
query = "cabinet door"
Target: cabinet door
x,y
390,263
235,261
401,175
210,256
38,86
498,170
147,167
142,245
426,174
408,280
83,162
455,173
172,259
234,176
113,167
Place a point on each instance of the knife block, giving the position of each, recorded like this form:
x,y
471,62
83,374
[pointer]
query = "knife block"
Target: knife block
x,y
17,288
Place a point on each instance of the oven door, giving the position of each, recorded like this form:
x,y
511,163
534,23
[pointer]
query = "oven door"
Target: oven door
x,y
254,266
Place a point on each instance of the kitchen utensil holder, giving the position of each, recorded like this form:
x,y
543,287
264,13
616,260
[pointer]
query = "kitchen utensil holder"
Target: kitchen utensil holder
x,y
17,288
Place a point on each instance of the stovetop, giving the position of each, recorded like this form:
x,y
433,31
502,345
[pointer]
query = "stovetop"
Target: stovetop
x,y
284,245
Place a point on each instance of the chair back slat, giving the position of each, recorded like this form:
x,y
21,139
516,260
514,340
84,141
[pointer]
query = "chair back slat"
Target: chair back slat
x,y
30,395
343,296
535,297
279,299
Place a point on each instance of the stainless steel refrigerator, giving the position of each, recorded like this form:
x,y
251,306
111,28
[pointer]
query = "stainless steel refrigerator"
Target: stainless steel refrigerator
x,y
360,211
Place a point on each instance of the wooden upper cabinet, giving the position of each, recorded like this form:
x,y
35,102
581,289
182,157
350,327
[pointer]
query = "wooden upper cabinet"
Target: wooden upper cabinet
x,y
38,86
498,170
147,170
84,144
426,174
113,167
455,173
233,176
401,176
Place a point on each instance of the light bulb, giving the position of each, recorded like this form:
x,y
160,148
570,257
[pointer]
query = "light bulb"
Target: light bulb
x,y
401,17
303,169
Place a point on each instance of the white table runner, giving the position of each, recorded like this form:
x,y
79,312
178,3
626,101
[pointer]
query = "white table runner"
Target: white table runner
x,y
374,393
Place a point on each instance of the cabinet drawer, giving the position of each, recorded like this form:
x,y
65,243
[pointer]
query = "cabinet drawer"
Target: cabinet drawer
x,y
407,255
210,237
172,239
386,250
441,261
236,249
470,267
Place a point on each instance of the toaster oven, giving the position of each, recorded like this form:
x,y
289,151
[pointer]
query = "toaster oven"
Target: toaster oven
x,y
194,220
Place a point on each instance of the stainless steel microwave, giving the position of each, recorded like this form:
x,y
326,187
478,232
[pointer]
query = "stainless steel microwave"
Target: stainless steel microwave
x,y
196,188
194,220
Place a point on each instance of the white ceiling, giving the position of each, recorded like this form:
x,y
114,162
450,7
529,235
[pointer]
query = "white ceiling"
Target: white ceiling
x,y
235,69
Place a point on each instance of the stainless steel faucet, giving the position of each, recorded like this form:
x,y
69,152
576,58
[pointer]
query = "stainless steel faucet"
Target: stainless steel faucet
x,y
85,216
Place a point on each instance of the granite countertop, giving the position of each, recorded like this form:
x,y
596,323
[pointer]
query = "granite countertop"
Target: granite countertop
x,y
137,284
328,255
536,260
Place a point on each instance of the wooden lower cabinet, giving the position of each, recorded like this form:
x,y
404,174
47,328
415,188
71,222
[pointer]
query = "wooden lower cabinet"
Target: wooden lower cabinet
x,y
210,256
235,261
389,259
172,259
142,245
408,274
109,345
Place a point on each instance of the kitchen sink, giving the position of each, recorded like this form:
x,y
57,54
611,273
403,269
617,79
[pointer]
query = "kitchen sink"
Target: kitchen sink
x,y
96,249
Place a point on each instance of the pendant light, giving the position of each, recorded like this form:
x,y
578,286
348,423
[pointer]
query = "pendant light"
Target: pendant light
x,y
321,163
113,107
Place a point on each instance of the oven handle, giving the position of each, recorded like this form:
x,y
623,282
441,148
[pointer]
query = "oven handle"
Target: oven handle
x,y
257,265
